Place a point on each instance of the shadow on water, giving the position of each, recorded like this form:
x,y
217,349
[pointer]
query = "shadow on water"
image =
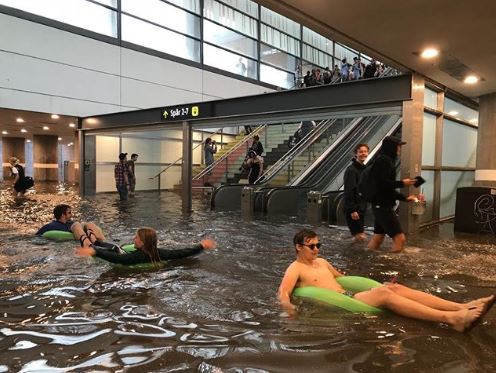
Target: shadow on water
x,y
217,312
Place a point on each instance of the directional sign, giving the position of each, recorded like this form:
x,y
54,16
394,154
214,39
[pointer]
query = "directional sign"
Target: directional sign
x,y
186,112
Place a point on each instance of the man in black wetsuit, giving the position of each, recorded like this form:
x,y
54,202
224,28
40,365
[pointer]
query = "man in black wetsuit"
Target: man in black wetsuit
x,y
383,173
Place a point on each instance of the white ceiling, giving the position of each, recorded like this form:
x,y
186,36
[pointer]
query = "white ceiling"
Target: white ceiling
x,y
34,122
393,31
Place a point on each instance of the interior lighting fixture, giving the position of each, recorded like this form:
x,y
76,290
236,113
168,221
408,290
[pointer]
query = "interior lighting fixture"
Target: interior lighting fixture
x,y
5,133
429,53
23,130
453,113
72,125
55,116
28,140
46,128
20,120
471,79
60,138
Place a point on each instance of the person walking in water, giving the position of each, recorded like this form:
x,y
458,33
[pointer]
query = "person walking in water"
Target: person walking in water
x,y
383,174
354,207
132,173
310,270
121,175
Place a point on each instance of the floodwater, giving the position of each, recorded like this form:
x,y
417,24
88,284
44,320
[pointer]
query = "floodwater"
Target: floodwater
x,y
217,312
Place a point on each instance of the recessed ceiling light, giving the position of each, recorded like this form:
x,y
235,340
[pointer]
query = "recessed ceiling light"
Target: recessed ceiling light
x,y
429,53
453,112
471,79
28,140
46,128
72,125
23,130
5,133
55,116
20,120
60,138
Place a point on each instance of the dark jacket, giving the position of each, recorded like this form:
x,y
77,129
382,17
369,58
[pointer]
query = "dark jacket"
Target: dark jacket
x,y
257,147
138,257
352,200
384,174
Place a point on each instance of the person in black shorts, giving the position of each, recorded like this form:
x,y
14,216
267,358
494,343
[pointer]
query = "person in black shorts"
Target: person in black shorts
x,y
354,207
145,242
383,173
63,222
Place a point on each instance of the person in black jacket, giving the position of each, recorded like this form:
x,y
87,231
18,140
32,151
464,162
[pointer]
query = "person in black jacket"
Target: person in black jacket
x,y
383,173
256,145
145,242
354,207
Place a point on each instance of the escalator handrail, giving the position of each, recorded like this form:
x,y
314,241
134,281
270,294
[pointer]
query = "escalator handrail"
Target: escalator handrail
x,y
296,150
326,152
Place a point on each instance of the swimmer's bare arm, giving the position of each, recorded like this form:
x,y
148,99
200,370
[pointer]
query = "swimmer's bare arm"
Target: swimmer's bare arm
x,y
287,286
333,270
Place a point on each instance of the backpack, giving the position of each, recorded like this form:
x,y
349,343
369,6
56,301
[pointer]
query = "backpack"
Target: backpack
x,y
367,185
28,182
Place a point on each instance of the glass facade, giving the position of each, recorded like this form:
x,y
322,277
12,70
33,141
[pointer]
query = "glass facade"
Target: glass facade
x,y
456,143
461,112
194,30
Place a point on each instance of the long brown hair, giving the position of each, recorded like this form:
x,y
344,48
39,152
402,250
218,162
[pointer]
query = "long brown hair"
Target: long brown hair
x,y
149,238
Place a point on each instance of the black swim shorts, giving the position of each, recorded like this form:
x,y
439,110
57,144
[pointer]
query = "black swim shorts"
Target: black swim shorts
x,y
386,221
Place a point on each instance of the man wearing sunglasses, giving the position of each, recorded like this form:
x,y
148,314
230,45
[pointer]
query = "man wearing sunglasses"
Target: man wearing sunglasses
x,y
310,270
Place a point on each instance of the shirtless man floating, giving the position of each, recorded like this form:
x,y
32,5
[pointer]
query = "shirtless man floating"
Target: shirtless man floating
x,y
310,270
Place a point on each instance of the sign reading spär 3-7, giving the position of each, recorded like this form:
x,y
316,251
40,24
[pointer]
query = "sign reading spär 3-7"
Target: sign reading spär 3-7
x,y
185,112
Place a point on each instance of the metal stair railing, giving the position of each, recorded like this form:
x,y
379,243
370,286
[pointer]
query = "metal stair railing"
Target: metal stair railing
x,y
296,150
180,159
225,156
317,161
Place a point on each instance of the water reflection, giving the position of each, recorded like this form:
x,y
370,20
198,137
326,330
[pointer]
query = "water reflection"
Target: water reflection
x,y
217,312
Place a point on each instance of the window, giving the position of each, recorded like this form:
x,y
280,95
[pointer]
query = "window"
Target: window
x,y
191,5
316,40
276,77
246,6
460,111
279,40
79,13
154,37
277,58
230,18
280,22
429,140
227,61
450,182
430,98
341,52
228,39
317,57
164,14
459,144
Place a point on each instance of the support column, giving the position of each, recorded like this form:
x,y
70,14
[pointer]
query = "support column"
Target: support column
x,y
45,158
411,154
12,147
485,168
187,166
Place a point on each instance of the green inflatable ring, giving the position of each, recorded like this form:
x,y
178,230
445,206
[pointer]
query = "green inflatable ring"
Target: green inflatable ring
x,y
58,235
354,284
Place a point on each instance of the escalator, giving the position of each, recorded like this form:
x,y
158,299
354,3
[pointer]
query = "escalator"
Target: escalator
x,y
327,172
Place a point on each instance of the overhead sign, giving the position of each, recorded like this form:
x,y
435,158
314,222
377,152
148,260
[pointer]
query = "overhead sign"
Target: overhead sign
x,y
187,112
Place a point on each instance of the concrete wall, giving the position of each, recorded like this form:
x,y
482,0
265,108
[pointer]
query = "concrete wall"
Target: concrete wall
x,y
48,70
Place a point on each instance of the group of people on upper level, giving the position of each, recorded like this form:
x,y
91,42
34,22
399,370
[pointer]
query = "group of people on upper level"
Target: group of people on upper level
x,y
340,73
